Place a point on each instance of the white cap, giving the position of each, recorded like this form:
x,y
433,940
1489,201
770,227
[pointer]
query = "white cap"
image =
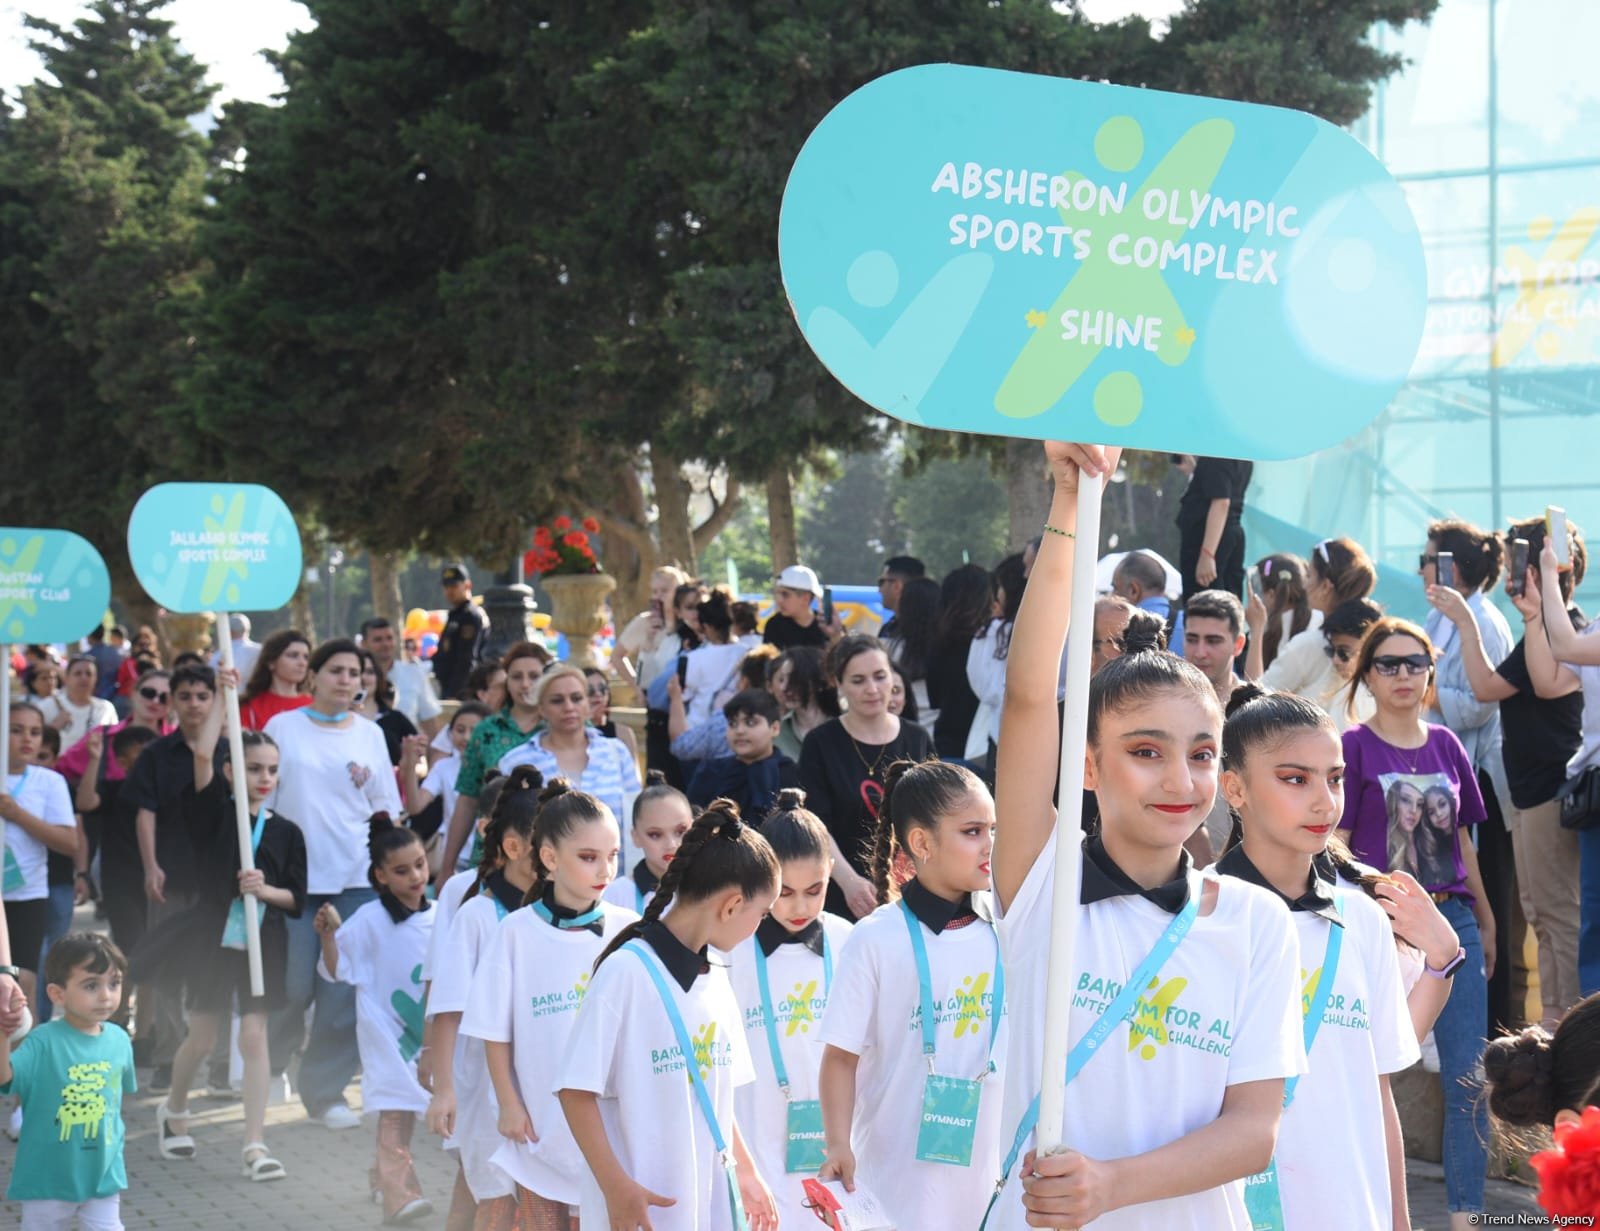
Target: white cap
x,y
799,577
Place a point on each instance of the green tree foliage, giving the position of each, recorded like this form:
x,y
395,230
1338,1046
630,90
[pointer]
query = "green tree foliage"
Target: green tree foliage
x,y
102,182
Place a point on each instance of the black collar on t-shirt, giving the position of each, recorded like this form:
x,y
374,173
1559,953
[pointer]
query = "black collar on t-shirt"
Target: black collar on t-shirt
x,y
1102,879
398,910
682,963
936,913
561,916
1318,897
507,894
644,879
770,934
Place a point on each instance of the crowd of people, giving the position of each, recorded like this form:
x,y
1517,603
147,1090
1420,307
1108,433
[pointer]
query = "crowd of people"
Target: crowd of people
x,y
790,946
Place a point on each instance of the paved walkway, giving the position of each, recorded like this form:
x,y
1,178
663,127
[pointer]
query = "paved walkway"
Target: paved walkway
x,y
326,1186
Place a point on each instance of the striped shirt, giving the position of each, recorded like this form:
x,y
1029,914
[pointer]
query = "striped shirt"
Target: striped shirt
x,y
611,776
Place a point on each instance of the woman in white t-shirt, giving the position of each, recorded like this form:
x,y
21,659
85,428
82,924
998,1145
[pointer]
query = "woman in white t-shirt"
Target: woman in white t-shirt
x,y
531,981
75,709
1181,1102
913,1033
37,810
649,1137
782,977
379,951
661,820
1283,775
333,775
711,669
464,1110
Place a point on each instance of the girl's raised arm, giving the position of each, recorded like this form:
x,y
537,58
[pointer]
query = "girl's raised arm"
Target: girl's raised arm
x,y
1030,731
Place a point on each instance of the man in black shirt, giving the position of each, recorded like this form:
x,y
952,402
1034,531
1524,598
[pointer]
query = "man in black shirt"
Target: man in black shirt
x,y
1211,539
897,570
794,623
461,642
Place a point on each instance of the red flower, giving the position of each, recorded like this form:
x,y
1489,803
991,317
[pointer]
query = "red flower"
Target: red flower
x,y
561,524
530,562
542,537
1569,1175
576,539
591,525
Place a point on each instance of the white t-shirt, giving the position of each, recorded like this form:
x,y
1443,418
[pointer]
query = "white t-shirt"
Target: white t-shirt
x,y
382,960
477,1136
97,713
624,892
799,995
531,980
330,782
1366,1032
413,691
622,1048
1231,994
42,793
440,782
445,906
873,1012
711,678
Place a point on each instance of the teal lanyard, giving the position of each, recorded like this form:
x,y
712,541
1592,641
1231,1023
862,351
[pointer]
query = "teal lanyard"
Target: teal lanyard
x,y
1119,1008
500,910
925,988
638,899
325,719
1319,1001
577,921
255,834
778,1067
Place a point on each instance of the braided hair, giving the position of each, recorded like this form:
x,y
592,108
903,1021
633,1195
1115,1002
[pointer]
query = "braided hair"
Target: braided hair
x,y
720,852
916,794
515,806
562,808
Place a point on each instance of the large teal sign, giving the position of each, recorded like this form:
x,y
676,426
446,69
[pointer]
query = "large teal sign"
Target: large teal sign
x,y
214,546
53,585
1031,256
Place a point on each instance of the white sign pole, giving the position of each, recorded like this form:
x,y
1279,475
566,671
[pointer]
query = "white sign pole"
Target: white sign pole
x,y
1069,820
241,804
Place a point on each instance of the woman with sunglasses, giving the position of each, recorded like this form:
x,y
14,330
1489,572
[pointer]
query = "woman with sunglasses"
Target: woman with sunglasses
x,y
278,680
1338,570
1342,632
1393,754
599,690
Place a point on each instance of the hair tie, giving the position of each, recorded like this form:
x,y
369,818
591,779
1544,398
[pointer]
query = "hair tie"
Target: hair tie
x,y
732,828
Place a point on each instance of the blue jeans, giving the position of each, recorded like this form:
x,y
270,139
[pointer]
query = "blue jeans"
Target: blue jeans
x,y
331,1057
1589,919
1459,1035
60,924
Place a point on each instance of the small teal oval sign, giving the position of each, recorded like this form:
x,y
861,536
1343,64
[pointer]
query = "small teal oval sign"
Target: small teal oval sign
x,y
214,547
1017,255
53,585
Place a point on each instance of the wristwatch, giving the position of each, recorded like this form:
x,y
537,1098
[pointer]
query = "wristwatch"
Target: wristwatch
x,y
13,971
1450,967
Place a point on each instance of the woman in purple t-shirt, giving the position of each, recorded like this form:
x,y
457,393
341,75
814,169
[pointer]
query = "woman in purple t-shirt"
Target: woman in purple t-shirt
x,y
1409,791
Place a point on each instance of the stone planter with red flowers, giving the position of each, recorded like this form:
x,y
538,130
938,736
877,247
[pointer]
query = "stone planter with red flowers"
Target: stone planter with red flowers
x,y
563,558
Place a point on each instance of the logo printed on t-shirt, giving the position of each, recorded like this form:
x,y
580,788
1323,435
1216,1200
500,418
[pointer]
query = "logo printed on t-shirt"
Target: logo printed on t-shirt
x,y
410,1010
1352,1015
547,1004
1158,1021
709,1052
796,1013
83,1099
359,774
969,1008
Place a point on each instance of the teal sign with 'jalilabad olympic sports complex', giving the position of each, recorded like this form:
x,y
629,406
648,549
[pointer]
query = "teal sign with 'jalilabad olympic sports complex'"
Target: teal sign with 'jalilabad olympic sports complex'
x,y
1016,255
53,585
214,547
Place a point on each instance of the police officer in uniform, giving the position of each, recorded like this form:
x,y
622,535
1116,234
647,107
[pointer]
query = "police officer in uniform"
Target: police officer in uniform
x,y
465,631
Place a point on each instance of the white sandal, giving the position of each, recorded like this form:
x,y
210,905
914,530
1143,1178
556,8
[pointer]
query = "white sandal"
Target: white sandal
x,y
176,1146
264,1167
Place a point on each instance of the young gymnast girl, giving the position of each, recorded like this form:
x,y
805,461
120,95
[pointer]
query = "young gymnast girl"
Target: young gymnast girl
x,y
782,978
464,1109
1165,1113
661,818
1283,777
529,985
379,951
913,1037
663,1152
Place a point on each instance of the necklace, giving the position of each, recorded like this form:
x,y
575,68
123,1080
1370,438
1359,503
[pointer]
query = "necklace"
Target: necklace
x,y
872,767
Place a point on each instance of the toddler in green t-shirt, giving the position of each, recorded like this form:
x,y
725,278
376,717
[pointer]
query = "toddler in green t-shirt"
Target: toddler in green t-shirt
x,y
71,1074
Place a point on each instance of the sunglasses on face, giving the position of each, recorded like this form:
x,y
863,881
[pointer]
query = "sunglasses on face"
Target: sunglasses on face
x,y
155,694
1339,653
1390,664
1424,560
599,690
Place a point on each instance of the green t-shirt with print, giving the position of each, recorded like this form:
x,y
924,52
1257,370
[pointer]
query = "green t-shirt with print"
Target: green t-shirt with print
x,y
71,1086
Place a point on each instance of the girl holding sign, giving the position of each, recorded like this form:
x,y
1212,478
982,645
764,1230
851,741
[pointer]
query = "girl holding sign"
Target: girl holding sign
x,y
1190,983
216,963
920,1125
782,977
1283,775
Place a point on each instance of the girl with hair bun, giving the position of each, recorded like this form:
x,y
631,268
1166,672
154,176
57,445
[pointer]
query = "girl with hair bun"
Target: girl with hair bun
x,y
533,973
782,978
1185,985
1536,1078
464,1110
1337,571
910,1100
661,820
379,952
662,1151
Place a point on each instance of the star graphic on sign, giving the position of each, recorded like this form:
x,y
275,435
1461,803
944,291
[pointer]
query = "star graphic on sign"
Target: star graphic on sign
x,y
1036,319
1185,335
